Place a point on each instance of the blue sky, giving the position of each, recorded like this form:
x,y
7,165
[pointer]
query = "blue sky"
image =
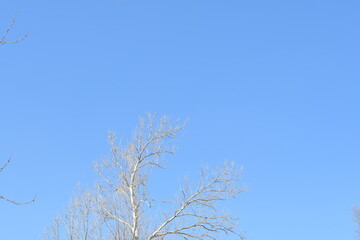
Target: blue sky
x,y
271,85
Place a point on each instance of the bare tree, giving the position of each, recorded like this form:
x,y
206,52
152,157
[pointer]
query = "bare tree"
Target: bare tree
x,y
3,39
122,202
80,221
8,199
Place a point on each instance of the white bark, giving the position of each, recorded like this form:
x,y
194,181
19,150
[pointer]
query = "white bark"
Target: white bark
x,y
197,216
122,198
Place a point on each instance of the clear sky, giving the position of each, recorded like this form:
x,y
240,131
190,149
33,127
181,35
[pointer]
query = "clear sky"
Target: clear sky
x,y
272,85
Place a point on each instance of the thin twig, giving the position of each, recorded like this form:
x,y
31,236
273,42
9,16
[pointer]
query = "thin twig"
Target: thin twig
x,y
3,39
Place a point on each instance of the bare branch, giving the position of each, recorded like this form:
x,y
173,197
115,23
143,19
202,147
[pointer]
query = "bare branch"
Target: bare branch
x,y
122,200
80,221
17,203
3,39
10,200
53,232
197,216
5,165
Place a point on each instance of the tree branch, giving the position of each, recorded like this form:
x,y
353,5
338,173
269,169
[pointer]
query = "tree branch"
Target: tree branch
x,y
3,39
